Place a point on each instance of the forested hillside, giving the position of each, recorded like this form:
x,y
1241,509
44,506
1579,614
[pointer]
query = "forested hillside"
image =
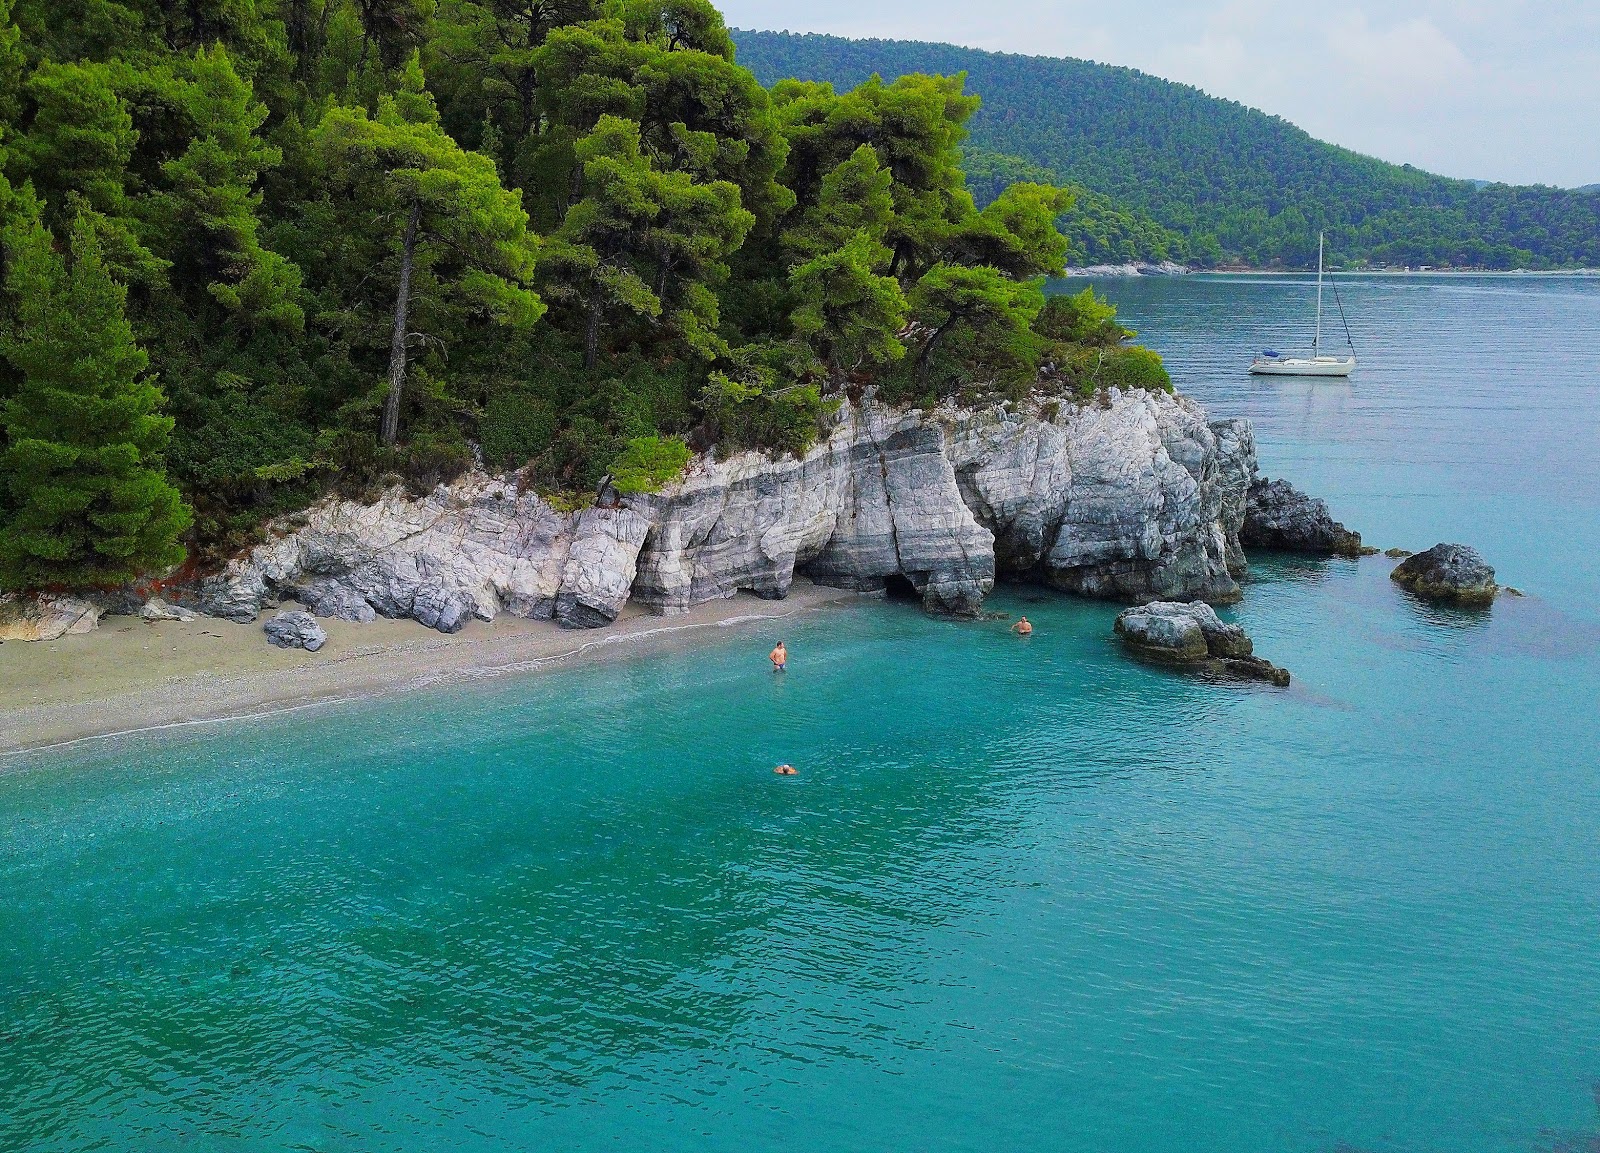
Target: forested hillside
x,y
1238,185
253,252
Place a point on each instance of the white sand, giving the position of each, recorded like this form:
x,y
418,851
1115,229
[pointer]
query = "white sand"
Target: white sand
x,y
128,675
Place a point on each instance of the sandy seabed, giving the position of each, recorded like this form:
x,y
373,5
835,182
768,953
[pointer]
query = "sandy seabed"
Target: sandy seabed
x,y
129,676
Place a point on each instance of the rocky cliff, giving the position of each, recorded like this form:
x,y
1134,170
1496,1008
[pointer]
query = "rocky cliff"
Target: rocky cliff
x,y
1132,496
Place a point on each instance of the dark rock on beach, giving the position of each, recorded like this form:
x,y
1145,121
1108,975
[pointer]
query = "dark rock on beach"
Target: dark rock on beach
x,y
327,597
1452,573
1194,638
295,630
1279,516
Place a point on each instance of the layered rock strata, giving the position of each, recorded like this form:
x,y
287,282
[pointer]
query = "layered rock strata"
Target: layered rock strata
x,y
1133,496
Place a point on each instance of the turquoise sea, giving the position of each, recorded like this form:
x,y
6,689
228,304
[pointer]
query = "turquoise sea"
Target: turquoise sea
x,y
1023,895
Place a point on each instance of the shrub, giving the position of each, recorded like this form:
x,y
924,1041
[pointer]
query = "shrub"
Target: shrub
x,y
1081,319
579,455
1134,367
648,463
745,414
434,457
516,427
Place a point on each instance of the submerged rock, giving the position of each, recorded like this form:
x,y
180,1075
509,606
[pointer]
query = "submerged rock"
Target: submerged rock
x,y
1453,573
1397,553
295,630
1191,636
1280,516
45,616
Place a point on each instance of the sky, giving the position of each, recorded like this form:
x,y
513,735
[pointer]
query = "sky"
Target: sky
x,y
1483,89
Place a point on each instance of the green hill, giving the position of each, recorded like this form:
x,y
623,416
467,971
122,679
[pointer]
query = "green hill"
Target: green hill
x,y
1232,183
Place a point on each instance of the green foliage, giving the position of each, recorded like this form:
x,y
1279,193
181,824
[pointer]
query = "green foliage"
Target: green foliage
x,y
994,310
361,241
517,426
848,312
1081,319
1017,232
746,407
1231,183
1133,367
648,463
431,194
86,497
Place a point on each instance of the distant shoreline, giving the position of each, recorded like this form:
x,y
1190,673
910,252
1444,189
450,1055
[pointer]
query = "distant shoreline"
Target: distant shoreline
x,y
1128,271
130,677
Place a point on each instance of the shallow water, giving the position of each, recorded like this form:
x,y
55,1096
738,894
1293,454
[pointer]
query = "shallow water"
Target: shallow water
x,y
1024,893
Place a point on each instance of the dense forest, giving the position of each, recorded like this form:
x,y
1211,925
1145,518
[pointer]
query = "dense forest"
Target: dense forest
x,y
255,252
1234,184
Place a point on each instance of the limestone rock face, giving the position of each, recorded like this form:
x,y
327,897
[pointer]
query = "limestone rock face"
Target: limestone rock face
x,y
1163,631
295,630
235,594
601,564
1453,573
877,499
1280,516
45,617
1191,636
1134,496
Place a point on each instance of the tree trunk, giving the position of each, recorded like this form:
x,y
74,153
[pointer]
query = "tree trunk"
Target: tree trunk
x,y
397,343
591,338
927,349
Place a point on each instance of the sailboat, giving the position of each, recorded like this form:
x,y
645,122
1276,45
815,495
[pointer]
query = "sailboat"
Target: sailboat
x,y
1270,363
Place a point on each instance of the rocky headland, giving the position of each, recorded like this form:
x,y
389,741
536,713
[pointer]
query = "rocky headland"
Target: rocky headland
x,y
1132,496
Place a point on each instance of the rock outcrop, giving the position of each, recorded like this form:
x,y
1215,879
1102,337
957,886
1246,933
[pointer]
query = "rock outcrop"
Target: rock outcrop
x,y
155,609
1133,496
1138,498
1280,516
1191,636
1452,573
295,630
45,617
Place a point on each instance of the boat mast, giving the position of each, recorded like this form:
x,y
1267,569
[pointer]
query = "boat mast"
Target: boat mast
x,y
1316,341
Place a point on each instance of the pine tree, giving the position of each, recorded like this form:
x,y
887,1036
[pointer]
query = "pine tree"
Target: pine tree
x,y
87,500
434,194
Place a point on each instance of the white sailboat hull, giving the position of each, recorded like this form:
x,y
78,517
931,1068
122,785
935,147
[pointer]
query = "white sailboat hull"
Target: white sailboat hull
x,y
1271,363
1304,366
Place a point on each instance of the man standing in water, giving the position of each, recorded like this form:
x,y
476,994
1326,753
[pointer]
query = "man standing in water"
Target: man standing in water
x,y
779,658
1022,628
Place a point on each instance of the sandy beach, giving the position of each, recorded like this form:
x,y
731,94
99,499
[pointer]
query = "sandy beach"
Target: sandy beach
x,y
128,676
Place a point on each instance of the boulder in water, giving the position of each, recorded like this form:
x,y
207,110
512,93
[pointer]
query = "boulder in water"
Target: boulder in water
x,y
295,630
1277,515
1452,573
1193,637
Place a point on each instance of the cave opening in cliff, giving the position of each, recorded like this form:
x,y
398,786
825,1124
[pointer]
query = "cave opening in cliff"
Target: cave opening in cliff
x,y
899,588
